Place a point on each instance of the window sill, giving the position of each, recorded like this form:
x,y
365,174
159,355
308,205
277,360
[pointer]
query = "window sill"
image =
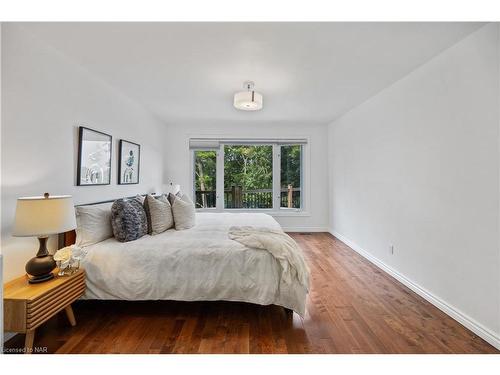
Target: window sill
x,y
277,213
290,213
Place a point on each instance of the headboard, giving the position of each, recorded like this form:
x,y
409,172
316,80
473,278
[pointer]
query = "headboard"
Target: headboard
x,y
66,239
69,238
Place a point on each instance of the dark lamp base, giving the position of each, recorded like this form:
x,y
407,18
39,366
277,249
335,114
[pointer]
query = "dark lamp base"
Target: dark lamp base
x,y
41,279
41,266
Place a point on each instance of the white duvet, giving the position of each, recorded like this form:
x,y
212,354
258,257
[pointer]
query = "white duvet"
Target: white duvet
x,y
283,248
197,264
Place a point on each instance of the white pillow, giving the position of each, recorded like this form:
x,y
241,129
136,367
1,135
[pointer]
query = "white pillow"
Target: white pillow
x,y
93,223
159,214
184,212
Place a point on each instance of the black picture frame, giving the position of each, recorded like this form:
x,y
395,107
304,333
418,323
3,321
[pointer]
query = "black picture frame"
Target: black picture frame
x,y
122,176
106,176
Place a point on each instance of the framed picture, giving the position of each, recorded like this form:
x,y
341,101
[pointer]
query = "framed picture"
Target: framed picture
x,y
94,157
129,162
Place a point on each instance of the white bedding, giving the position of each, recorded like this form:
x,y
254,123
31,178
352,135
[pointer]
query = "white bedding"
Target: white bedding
x,y
197,264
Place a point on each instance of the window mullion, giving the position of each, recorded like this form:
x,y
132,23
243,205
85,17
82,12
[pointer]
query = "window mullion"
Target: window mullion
x,y
276,177
220,179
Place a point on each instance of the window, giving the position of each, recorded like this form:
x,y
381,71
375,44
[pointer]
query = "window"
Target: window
x,y
244,174
205,177
291,166
248,176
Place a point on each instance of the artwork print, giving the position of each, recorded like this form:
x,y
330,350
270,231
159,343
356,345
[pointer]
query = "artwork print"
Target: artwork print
x,y
129,162
94,157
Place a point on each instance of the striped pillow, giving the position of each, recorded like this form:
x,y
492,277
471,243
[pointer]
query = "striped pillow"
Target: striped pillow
x,y
158,213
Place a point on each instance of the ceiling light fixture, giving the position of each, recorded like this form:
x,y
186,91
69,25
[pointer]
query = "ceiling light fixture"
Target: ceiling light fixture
x,y
249,100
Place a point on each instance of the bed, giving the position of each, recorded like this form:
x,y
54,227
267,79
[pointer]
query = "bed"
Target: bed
x,y
197,264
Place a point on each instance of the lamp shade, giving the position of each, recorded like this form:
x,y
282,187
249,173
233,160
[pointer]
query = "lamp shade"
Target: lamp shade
x,y
42,216
171,188
175,189
248,101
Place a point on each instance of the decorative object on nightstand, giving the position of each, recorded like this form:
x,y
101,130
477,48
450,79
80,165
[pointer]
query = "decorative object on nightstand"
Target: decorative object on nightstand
x,y
68,259
41,217
27,306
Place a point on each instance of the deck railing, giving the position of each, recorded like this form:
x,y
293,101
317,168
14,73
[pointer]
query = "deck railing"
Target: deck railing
x,y
236,197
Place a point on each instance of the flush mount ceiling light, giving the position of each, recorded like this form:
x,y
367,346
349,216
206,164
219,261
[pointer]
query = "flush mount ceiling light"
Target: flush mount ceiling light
x,y
249,100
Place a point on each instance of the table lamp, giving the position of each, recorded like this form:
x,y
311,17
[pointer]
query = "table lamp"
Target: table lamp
x,y
41,217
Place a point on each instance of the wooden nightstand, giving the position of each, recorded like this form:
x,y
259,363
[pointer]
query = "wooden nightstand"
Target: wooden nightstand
x,y
26,306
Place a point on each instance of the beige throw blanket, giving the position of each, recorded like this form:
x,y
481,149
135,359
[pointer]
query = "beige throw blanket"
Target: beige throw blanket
x,y
281,246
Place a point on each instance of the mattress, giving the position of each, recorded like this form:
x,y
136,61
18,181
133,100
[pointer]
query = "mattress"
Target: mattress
x,y
197,264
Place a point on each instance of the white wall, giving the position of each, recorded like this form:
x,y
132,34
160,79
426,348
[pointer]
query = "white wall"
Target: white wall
x,y
45,97
417,166
178,169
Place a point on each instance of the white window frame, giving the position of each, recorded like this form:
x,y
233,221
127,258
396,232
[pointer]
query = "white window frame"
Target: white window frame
x,y
276,210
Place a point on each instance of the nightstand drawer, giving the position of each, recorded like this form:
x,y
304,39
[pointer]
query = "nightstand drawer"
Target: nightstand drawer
x,y
39,317
57,293
41,309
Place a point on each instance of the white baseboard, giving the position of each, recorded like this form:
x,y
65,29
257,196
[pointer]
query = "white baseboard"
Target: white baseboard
x,y
305,229
483,332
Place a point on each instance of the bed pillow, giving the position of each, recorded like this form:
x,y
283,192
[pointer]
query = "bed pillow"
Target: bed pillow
x,y
128,220
171,197
184,212
140,198
93,224
159,214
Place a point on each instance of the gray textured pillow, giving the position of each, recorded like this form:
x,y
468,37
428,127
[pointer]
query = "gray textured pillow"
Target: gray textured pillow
x,y
184,212
158,213
128,220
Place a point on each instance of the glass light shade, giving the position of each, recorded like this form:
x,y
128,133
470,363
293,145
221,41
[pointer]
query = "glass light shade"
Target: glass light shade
x,y
176,189
40,216
171,188
248,101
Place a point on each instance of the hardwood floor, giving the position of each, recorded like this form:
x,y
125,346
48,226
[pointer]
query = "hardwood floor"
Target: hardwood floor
x,y
353,307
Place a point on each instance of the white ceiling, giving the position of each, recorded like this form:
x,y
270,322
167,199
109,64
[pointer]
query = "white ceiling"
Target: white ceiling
x,y
311,72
